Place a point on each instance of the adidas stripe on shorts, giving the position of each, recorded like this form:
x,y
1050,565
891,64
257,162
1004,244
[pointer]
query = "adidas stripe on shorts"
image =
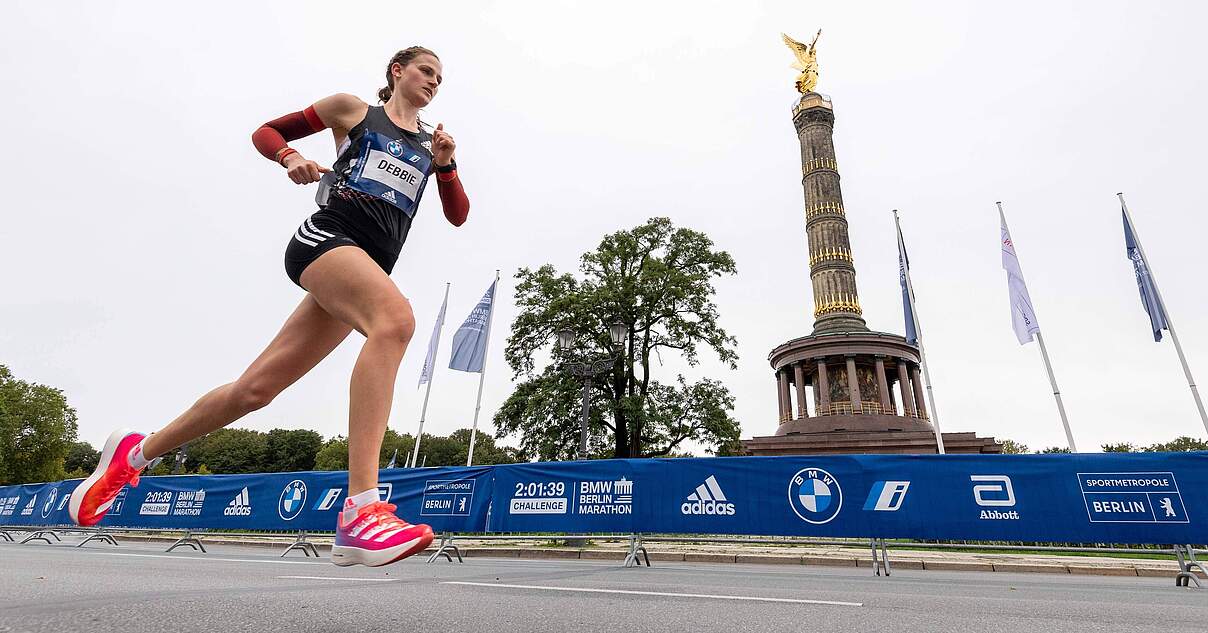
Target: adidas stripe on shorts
x,y
324,231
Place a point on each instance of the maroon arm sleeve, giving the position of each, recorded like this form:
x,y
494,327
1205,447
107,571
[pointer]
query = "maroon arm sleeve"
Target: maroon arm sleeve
x,y
453,197
272,137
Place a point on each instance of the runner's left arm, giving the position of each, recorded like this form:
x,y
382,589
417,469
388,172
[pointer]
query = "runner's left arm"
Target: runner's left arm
x,y
452,196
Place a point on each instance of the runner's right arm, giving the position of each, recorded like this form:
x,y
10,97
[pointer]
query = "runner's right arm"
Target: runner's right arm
x,y
339,112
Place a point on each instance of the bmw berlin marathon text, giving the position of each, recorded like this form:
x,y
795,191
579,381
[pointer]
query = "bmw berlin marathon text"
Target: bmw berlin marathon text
x,y
609,497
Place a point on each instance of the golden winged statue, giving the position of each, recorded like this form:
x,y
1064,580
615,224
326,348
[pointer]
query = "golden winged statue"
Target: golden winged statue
x,y
807,62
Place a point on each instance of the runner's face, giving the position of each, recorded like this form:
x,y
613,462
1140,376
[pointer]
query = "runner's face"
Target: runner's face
x,y
418,81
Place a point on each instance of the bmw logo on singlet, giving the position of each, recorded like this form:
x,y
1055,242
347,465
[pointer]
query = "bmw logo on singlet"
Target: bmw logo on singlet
x,y
395,148
815,495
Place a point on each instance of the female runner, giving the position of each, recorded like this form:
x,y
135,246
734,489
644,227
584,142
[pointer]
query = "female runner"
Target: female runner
x,y
342,256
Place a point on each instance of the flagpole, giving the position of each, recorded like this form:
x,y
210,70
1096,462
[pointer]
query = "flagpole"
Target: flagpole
x,y
486,345
918,334
1044,352
1199,404
428,392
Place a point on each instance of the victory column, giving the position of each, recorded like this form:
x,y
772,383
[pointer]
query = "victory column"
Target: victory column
x,y
867,388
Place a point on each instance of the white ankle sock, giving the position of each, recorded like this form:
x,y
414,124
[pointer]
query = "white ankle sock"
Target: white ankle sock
x,y
136,459
354,503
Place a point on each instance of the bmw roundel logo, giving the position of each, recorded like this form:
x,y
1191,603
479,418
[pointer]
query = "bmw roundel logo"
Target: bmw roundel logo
x,y
395,148
50,502
815,495
293,499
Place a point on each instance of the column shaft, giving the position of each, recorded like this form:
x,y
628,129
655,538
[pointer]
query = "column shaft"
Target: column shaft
x,y
904,387
823,407
853,385
799,379
782,395
919,399
883,386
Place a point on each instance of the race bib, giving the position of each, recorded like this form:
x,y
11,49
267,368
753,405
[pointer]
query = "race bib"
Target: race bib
x,y
390,170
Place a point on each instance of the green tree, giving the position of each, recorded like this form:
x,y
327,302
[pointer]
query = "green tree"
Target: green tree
x,y
393,441
1054,449
333,455
81,458
37,429
1011,447
436,450
656,279
1179,444
290,450
227,451
486,451
1122,447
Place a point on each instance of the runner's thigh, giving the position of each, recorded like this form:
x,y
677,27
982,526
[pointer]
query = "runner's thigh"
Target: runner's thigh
x,y
308,336
354,288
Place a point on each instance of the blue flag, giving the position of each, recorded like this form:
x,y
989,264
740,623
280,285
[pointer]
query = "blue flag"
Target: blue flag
x,y
1149,294
912,337
470,341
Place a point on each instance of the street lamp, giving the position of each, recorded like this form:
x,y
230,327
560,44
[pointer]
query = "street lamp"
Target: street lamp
x,y
591,368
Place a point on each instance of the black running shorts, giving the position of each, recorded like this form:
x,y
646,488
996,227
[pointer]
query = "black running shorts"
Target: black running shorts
x,y
329,228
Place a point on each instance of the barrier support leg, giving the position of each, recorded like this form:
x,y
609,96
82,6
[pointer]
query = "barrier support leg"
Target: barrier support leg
x,y
190,540
42,535
879,561
1187,566
636,547
446,545
100,535
300,542
6,536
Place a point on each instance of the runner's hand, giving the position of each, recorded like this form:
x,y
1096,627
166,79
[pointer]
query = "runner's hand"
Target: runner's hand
x,y
302,171
442,146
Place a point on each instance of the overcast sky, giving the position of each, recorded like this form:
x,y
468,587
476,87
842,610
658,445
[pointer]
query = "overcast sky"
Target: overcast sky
x,y
143,235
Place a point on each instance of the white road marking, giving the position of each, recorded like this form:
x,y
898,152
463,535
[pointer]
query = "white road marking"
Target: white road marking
x,y
353,578
213,559
657,593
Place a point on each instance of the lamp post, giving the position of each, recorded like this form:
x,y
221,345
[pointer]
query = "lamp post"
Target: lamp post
x,y
590,369
181,455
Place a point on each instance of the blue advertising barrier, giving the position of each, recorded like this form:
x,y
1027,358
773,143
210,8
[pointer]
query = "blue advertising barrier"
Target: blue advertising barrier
x,y
449,499
1154,498
1098,498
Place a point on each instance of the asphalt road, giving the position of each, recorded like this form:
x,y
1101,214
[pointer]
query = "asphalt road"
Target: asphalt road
x,y
137,588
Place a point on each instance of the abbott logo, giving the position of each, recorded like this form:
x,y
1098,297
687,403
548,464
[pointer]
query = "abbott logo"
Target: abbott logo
x,y
997,484
995,492
708,499
240,506
887,496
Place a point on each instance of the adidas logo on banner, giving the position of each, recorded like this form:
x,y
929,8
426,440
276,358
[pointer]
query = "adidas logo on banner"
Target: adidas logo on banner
x,y
240,506
708,499
389,195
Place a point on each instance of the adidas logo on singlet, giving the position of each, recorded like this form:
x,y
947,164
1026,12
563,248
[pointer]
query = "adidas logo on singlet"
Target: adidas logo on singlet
x,y
389,195
240,506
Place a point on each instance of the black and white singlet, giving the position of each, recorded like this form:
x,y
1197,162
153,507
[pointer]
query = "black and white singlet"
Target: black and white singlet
x,y
369,198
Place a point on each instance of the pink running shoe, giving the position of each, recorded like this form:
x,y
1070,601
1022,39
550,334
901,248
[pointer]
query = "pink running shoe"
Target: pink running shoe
x,y
377,537
94,496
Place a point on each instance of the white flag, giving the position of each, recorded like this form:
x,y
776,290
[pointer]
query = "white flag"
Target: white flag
x,y
434,344
1023,317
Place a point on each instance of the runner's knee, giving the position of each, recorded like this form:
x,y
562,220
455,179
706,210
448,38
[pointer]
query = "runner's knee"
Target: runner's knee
x,y
396,322
250,394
